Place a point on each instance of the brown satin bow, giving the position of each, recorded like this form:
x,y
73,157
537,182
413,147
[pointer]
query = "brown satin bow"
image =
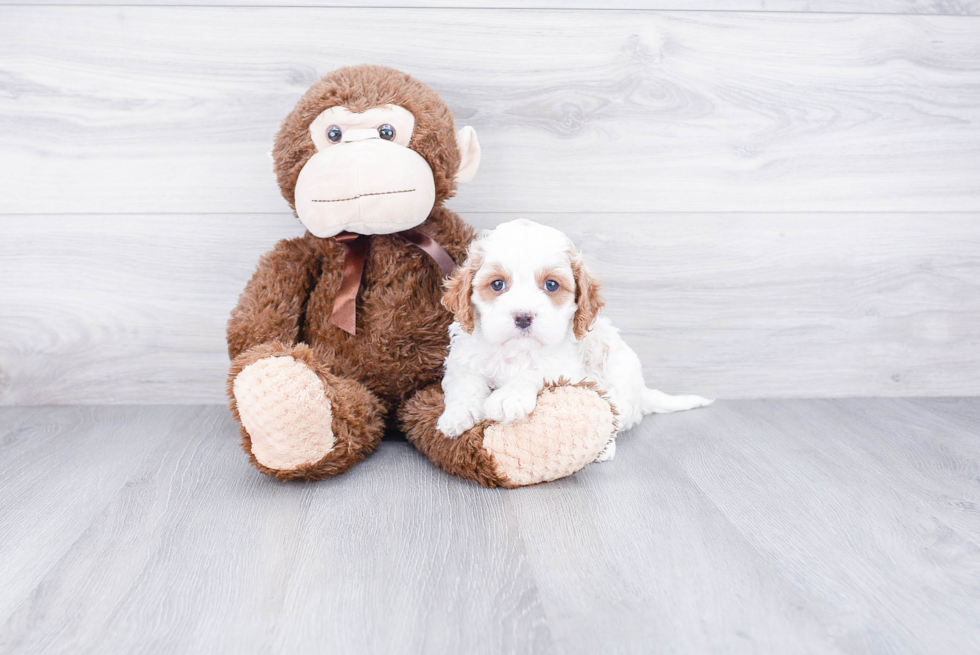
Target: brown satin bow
x,y
355,252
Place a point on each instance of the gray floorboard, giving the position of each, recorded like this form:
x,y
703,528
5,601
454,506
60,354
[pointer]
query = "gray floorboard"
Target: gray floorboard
x,y
792,526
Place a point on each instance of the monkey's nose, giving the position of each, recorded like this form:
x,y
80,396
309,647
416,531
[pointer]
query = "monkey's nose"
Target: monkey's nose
x,y
523,320
359,135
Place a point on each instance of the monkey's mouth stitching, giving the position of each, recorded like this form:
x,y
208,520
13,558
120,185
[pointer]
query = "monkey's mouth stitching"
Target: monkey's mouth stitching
x,y
379,193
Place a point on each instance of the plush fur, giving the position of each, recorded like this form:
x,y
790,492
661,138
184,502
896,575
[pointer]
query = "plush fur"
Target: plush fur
x,y
464,456
527,311
360,88
401,337
402,329
357,422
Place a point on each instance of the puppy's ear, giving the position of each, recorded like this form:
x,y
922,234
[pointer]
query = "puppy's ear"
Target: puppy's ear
x,y
588,296
458,297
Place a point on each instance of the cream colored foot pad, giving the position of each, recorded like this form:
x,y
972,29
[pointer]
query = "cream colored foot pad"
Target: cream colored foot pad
x,y
286,412
568,429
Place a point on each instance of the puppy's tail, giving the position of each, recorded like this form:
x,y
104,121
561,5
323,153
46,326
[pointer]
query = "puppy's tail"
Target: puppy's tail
x,y
657,402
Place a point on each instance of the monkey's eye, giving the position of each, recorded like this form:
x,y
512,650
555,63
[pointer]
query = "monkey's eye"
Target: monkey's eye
x,y
334,133
551,286
497,285
386,132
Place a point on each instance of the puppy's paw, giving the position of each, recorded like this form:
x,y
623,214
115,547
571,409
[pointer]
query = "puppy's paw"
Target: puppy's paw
x,y
509,404
457,419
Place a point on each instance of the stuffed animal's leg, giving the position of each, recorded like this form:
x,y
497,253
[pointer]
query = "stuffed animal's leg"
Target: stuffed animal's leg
x,y
300,421
569,427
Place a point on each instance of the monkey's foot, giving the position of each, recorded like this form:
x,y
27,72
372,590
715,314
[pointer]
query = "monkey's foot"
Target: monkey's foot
x,y
298,420
568,429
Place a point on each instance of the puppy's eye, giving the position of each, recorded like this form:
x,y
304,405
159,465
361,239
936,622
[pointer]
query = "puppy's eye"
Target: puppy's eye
x,y
551,286
334,133
497,285
386,132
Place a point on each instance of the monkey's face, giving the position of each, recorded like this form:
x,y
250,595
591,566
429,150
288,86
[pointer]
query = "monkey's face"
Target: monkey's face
x,y
364,177
370,150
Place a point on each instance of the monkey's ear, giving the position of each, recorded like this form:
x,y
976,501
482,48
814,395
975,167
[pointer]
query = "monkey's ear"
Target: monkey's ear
x,y
458,297
469,154
588,297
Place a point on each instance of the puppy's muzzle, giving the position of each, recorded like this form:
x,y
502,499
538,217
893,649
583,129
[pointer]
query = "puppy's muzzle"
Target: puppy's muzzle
x,y
523,320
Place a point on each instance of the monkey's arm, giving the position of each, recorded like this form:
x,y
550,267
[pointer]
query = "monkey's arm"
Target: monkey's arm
x,y
271,306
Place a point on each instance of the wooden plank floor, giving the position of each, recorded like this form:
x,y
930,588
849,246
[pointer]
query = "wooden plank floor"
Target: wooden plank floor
x,y
818,526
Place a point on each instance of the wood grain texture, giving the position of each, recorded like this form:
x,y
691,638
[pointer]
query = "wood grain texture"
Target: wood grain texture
x,y
942,7
832,526
123,309
60,469
197,552
173,109
132,309
783,527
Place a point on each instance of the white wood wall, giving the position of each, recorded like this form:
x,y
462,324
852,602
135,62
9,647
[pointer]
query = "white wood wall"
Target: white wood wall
x,y
783,197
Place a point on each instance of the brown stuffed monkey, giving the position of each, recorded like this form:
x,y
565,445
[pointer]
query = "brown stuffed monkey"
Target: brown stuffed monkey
x,y
342,329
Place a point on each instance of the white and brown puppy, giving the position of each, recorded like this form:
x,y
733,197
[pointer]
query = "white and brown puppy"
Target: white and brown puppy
x,y
527,312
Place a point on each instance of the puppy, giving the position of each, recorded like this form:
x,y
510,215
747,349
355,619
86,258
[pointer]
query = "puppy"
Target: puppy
x,y
527,311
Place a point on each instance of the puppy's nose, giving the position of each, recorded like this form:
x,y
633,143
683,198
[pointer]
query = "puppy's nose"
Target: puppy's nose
x,y
523,320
